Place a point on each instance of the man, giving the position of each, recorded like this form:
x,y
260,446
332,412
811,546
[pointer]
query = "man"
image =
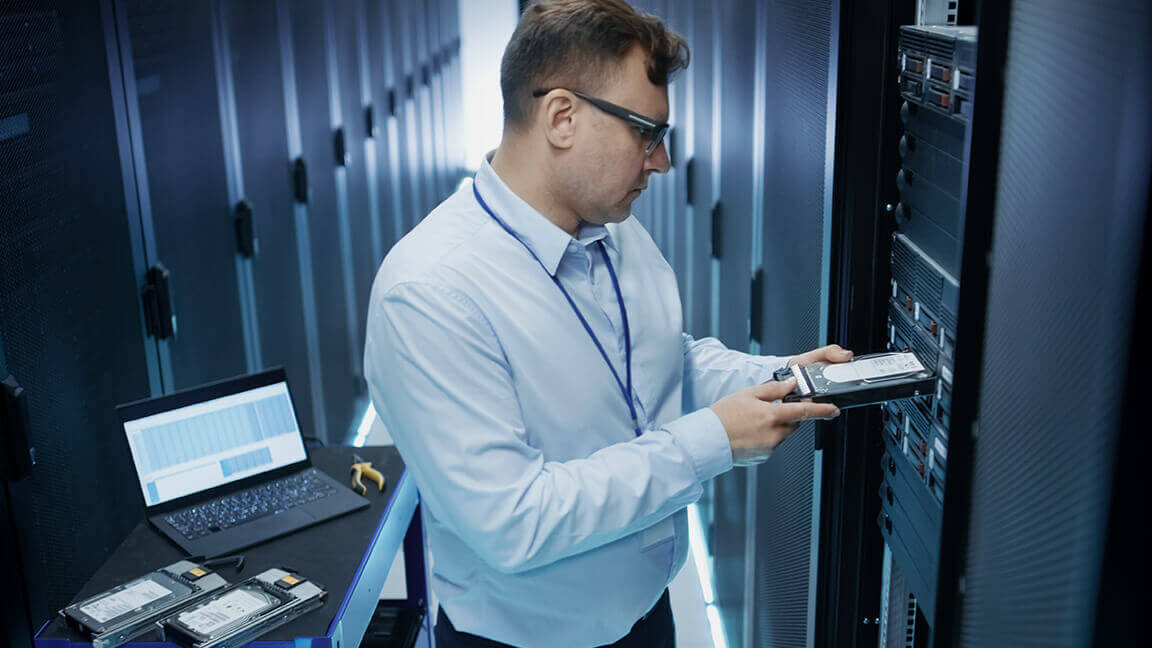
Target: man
x,y
525,350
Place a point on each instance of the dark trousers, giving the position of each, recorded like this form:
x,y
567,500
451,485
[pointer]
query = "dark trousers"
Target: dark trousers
x,y
654,630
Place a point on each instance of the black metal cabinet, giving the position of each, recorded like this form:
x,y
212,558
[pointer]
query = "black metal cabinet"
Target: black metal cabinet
x,y
363,20
360,221
732,227
252,31
794,39
387,98
432,11
699,171
70,265
1061,258
738,34
407,79
422,71
170,85
334,381
453,114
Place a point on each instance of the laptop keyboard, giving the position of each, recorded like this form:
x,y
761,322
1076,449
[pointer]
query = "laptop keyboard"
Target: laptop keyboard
x,y
247,505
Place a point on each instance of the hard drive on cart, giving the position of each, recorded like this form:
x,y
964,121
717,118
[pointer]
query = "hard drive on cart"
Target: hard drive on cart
x,y
116,616
244,611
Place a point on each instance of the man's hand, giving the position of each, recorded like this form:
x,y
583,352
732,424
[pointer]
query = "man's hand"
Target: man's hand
x,y
831,354
756,422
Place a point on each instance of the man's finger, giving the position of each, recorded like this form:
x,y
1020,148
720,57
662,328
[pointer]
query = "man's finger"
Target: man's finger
x,y
774,390
807,410
836,353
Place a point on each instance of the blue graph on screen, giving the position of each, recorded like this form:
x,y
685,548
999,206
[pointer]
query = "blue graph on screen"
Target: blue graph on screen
x,y
169,444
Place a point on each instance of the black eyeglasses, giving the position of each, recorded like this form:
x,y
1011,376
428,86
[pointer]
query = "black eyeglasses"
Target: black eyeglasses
x,y
650,129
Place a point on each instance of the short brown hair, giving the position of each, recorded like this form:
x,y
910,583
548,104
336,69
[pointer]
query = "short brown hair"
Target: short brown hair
x,y
574,43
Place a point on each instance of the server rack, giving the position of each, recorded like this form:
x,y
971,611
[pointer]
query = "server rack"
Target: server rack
x,y
1072,166
265,175
409,107
701,175
897,241
70,317
345,81
174,122
992,527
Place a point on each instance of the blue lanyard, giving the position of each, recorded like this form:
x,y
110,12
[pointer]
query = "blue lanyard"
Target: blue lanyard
x,y
625,391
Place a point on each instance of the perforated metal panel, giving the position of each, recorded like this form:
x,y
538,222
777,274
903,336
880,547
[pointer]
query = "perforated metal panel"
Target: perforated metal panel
x,y
797,40
69,314
1069,215
174,86
359,245
376,32
737,29
338,384
255,60
407,79
735,34
702,39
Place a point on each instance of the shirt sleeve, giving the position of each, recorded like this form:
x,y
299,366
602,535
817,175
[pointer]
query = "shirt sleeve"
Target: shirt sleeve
x,y
713,371
441,384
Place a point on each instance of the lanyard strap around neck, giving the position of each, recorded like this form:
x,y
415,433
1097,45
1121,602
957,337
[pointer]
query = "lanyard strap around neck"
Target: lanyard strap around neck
x,y
625,390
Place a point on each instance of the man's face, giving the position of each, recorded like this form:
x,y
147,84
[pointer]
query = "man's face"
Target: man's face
x,y
613,167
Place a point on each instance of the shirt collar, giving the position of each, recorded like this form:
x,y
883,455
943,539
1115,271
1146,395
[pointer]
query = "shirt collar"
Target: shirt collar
x,y
547,241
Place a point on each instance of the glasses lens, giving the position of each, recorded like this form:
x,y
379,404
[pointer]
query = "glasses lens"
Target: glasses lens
x,y
657,137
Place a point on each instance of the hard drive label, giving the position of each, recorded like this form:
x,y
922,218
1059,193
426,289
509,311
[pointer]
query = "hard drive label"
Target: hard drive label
x,y
227,609
873,368
126,600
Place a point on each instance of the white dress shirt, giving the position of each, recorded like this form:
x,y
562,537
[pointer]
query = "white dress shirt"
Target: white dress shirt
x,y
550,522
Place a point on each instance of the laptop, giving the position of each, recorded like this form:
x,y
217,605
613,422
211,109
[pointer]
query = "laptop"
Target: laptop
x,y
223,466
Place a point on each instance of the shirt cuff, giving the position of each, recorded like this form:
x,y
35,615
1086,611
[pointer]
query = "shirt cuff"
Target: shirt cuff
x,y
702,437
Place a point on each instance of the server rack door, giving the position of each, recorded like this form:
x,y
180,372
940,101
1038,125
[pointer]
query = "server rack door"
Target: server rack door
x,y
700,169
735,33
454,146
450,17
699,181
13,601
795,43
388,93
188,221
1070,206
358,237
256,63
70,315
407,79
422,69
737,29
326,222
436,64
373,113
13,597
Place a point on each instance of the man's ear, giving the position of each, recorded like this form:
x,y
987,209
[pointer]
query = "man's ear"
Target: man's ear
x,y
560,120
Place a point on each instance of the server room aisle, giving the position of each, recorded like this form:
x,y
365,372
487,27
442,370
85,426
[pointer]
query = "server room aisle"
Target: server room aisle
x,y
692,630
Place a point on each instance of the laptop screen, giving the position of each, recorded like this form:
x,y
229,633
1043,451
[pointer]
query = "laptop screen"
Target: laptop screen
x,y
203,445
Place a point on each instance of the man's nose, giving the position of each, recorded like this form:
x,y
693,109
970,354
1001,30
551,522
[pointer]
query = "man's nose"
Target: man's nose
x,y
658,160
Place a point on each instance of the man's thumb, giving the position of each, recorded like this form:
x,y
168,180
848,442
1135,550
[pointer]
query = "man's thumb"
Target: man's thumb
x,y
774,390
